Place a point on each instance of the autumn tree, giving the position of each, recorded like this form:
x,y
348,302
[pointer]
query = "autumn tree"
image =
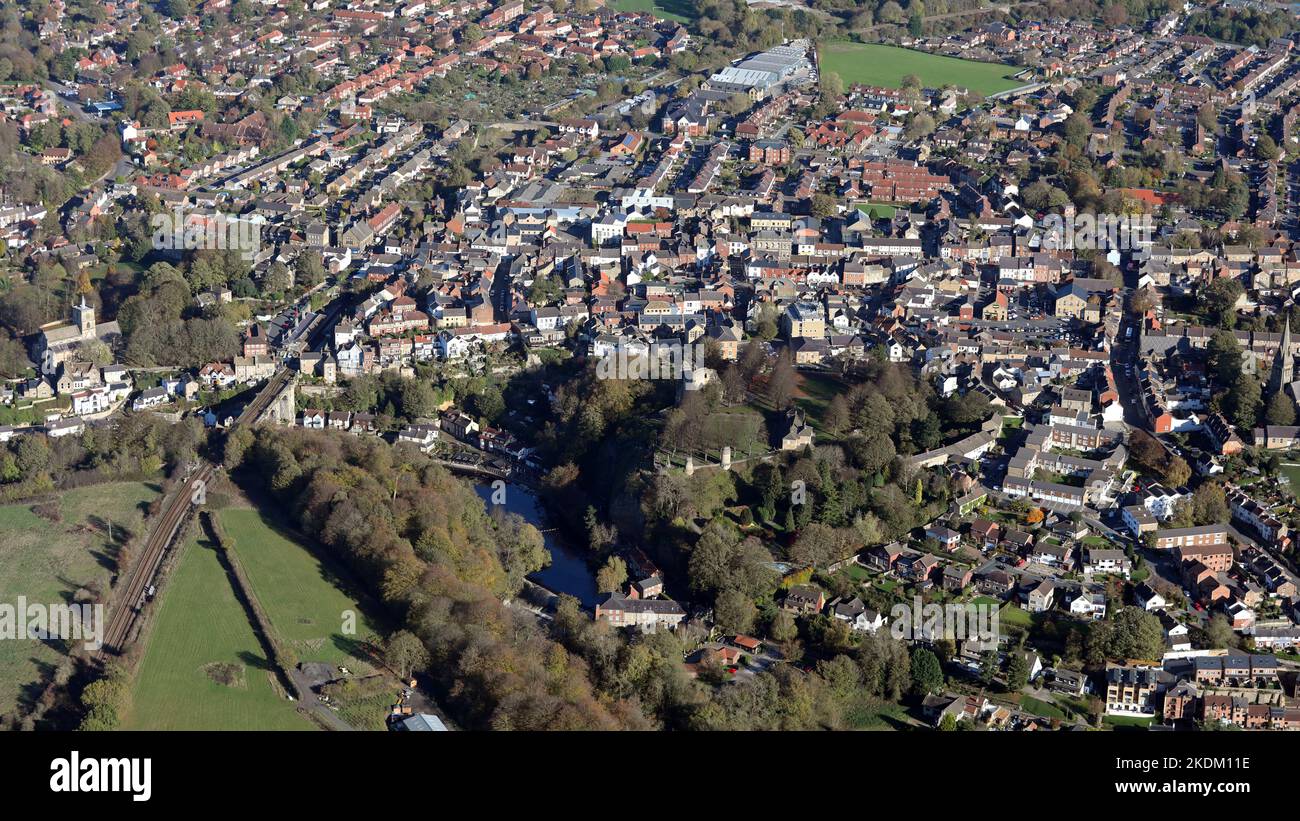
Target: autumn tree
x,y
612,576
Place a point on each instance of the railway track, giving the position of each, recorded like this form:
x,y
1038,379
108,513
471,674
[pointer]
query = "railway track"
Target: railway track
x,y
126,608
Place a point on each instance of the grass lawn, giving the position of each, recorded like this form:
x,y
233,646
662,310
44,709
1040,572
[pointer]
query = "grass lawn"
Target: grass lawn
x,y
1041,708
303,596
878,212
1292,472
881,65
856,572
198,625
46,562
1015,616
1127,721
868,713
814,392
679,10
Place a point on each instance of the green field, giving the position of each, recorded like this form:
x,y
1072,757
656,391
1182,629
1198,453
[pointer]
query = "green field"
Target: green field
x,y
303,597
200,624
880,65
46,562
678,10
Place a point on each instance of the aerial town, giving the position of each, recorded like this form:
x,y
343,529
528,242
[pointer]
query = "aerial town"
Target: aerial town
x,y
649,365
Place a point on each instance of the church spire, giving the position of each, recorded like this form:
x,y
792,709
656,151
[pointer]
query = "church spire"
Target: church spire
x,y
1283,363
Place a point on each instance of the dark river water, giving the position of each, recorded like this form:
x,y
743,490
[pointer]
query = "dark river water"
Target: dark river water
x,y
568,571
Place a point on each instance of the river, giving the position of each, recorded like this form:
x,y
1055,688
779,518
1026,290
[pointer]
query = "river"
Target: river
x,y
568,571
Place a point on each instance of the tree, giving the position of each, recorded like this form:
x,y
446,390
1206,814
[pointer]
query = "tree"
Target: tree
x,y
836,418
612,576
1219,633
1132,634
927,675
13,357
310,270
1209,504
237,443
1076,129
96,352
919,126
832,86
1220,298
1177,472
1242,402
278,280
1017,672
734,612
1280,410
783,626
781,382
824,206
988,667
1224,356
871,451
405,653
1266,148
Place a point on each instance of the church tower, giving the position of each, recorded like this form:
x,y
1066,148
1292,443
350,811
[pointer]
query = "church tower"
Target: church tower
x,y
1283,364
84,316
